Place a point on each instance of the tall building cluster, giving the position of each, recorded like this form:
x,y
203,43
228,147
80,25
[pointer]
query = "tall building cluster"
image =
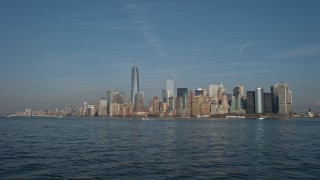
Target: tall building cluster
x,y
214,102
278,101
188,103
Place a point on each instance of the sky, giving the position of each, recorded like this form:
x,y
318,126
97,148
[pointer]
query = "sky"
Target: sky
x,y
61,53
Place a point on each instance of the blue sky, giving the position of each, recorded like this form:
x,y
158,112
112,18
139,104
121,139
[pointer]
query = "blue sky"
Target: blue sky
x,y
58,53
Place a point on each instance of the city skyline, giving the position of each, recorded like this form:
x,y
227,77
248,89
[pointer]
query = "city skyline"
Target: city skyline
x,y
57,54
135,87
274,104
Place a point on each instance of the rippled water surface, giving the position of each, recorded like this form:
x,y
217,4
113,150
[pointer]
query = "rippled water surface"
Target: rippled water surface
x,y
50,148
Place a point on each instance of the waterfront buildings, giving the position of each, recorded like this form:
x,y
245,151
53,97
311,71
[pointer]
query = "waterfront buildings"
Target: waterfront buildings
x,y
114,109
182,102
189,104
138,102
85,109
114,101
196,103
102,107
69,111
278,101
154,106
91,110
126,110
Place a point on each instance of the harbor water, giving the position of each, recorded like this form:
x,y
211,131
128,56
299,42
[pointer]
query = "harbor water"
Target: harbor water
x,y
105,148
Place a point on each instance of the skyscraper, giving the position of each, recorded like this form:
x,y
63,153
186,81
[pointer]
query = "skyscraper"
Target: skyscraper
x,y
182,91
213,90
134,83
169,88
114,97
259,104
241,90
103,107
178,103
236,91
281,99
236,101
164,95
275,98
119,97
250,102
155,105
220,92
109,101
138,105
267,103
285,99
171,103
198,92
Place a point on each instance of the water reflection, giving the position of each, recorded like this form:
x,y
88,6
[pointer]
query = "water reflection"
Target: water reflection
x,y
260,135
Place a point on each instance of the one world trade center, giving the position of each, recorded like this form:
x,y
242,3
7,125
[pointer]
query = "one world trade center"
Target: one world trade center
x,y
134,82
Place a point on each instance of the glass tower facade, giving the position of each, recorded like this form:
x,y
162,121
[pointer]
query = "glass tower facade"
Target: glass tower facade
x,y
259,104
169,87
134,83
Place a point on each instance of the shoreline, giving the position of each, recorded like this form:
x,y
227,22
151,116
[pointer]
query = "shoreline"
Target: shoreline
x,y
161,118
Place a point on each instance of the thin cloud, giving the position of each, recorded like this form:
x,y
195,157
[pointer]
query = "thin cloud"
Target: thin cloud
x,y
243,47
307,50
247,64
140,15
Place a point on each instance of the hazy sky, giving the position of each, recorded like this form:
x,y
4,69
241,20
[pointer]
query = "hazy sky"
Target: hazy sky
x,y
58,53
